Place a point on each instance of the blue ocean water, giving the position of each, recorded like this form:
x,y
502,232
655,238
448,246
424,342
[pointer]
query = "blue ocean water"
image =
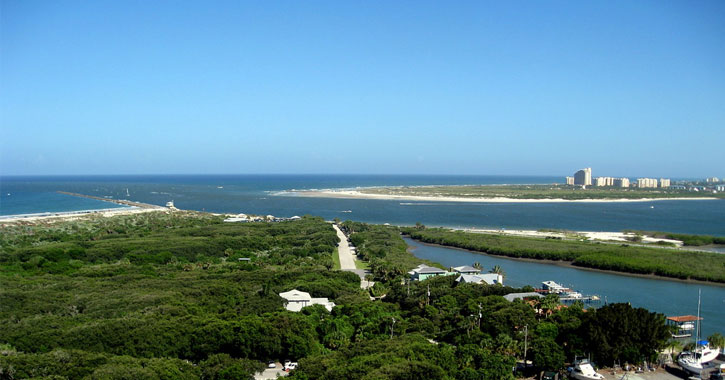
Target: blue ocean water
x,y
256,194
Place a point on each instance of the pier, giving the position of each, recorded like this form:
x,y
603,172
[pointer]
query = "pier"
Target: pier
x,y
117,201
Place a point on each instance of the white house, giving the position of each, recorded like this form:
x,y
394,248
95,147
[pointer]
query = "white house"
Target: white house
x,y
297,299
488,278
423,272
466,270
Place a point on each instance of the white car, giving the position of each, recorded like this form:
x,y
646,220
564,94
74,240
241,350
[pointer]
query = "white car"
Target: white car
x,y
290,366
271,364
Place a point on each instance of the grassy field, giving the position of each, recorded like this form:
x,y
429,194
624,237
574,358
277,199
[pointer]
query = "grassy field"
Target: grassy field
x,y
552,191
705,266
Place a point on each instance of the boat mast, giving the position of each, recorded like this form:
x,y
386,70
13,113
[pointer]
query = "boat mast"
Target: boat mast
x,y
699,292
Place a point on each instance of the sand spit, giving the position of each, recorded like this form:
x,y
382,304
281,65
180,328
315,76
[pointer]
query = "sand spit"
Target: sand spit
x,y
354,194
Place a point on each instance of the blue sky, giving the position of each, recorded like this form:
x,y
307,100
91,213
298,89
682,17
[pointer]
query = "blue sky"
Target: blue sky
x,y
630,88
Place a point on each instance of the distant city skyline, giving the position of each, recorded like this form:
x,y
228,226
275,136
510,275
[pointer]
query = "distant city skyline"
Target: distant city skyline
x,y
631,89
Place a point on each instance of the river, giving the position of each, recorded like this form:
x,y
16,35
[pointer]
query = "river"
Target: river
x,y
663,296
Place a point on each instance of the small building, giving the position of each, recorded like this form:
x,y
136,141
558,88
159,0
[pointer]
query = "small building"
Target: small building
x,y
295,218
683,324
487,278
553,287
424,272
297,299
515,296
466,270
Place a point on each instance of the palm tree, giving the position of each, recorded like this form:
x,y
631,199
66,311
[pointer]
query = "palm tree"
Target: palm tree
x,y
498,270
477,265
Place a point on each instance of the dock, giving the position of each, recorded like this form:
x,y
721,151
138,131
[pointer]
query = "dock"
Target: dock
x,y
116,201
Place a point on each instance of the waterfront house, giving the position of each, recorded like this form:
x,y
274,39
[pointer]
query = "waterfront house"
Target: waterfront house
x,y
296,300
486,278
423,272
466,270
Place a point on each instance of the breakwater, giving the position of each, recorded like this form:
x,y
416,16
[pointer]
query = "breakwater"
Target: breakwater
x,y
116,201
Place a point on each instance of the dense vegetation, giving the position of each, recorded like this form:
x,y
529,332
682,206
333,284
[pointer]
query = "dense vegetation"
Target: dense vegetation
x,y
552,191
704,266
163,296
110,292
445,330
382,247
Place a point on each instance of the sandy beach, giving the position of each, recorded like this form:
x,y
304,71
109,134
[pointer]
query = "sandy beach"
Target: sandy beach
x,y
356,194
75,215
586,235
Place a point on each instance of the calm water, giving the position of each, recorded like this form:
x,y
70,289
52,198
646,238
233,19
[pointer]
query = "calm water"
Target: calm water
x,y
255,194
667,297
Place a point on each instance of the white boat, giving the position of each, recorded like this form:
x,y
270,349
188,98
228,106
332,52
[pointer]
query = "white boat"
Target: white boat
x,y
694,361
583,370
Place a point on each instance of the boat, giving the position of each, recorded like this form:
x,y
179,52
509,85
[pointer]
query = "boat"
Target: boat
x,y
694,361
583,370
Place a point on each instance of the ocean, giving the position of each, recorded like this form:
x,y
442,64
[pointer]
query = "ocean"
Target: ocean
x,y
265,195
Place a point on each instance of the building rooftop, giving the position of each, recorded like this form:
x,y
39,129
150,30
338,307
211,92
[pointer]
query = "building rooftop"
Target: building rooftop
x,y
513,296
296,295
684,318
466,268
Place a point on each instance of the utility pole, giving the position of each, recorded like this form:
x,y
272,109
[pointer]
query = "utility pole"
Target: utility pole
x,y
526,338
427,299
408,283
391,328
480,315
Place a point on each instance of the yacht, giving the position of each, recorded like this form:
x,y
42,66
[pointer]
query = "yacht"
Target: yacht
x,y
694,361
583,370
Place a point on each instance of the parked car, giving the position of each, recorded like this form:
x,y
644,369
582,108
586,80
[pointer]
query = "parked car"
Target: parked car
x,y
271,364
290,366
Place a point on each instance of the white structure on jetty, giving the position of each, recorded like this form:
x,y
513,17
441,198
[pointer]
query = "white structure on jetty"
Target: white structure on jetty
x,y
297,299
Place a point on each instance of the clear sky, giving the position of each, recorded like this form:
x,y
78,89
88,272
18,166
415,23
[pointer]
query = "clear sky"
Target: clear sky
x,y
630,88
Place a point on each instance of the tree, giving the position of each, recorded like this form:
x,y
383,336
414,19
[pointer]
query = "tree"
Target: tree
x,y
716,340
618,332
498,270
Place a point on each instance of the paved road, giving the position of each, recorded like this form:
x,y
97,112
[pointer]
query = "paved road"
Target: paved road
x,y
347,261
271,373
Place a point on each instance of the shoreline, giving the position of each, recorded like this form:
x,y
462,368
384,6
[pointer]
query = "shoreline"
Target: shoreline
x,y
355,194
569,264
74,215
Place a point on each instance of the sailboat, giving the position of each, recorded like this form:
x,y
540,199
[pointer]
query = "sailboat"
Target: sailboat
x,y
127,194
694,361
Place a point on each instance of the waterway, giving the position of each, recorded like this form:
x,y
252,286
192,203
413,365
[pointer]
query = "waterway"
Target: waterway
x,y
663,296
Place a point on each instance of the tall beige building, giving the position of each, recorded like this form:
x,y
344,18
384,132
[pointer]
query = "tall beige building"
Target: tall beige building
x,y
604,181
646,182
664,182
569,180
621,182
583,177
